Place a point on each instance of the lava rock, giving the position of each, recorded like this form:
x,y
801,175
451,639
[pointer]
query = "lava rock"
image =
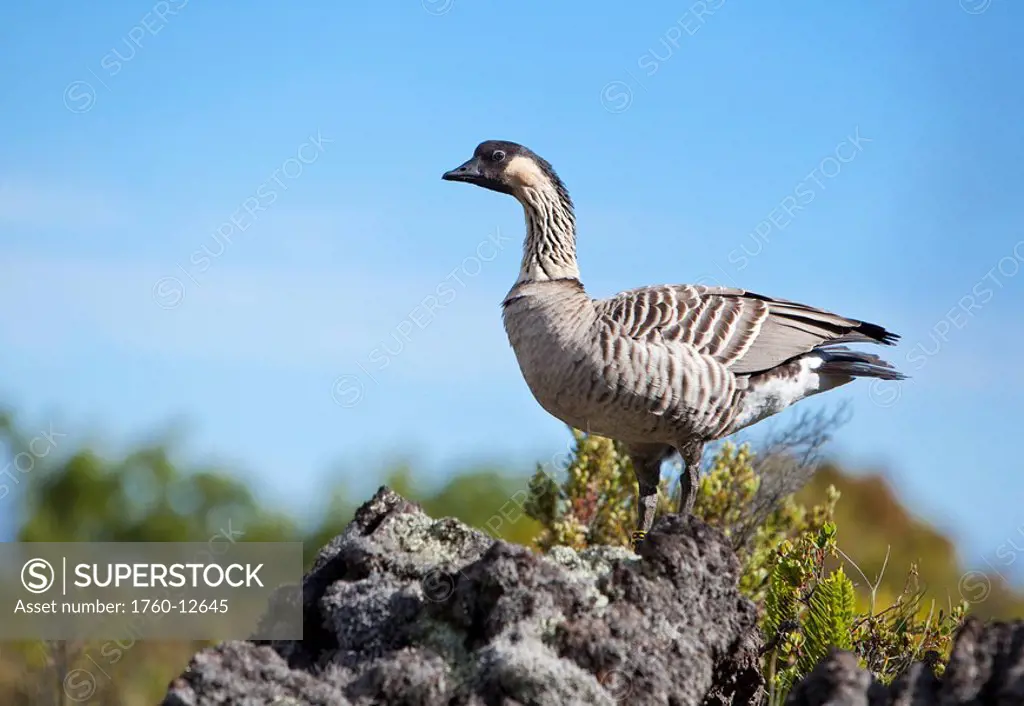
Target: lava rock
x,y
986,666
405,609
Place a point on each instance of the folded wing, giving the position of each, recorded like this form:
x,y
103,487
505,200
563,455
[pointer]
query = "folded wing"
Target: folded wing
x,y
746,332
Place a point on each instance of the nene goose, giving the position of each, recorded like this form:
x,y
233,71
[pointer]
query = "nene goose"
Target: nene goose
x,y
664,368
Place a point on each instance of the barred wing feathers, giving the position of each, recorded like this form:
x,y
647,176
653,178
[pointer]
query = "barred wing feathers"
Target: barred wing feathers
x,y
745,332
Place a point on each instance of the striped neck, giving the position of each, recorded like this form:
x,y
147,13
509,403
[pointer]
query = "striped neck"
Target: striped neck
x,y
549,251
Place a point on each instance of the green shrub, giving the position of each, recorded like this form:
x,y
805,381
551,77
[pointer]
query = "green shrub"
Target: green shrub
x,y
791,561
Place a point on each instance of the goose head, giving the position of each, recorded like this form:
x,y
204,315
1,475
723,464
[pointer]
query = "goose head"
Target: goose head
x,y
508,168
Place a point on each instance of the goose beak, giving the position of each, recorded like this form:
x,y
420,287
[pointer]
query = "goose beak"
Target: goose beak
x,y
468,172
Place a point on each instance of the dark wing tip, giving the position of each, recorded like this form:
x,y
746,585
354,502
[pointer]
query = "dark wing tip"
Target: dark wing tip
x,y
878,333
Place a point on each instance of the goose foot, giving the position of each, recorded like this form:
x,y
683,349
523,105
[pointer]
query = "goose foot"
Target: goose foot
x,y
646,460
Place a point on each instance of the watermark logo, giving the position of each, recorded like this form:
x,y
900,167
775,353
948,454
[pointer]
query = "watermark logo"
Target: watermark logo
x,y
617,683
37,576
438,586
886,393
117,590
168,292
38,448
79,97
438,7
974,587
347,391
975,7
616,96
79,685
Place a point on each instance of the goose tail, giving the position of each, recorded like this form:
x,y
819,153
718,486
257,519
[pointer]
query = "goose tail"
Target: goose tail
x,y
842,362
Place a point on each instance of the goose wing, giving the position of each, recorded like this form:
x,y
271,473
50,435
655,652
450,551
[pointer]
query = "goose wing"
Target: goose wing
x,y
744,331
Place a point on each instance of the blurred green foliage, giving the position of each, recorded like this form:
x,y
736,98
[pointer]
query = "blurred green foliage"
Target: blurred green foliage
x,y
62,492
59,493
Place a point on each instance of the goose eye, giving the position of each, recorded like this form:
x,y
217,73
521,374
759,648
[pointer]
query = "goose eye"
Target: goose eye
x,y
497,156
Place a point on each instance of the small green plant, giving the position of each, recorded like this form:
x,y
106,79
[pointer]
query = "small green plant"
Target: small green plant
x,y
594,505
792,565
806,611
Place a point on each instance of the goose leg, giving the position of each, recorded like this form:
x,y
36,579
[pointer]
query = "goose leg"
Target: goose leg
x,y
692,453
647,460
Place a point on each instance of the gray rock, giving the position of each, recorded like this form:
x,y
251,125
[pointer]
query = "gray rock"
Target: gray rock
x,y
404,609
986,667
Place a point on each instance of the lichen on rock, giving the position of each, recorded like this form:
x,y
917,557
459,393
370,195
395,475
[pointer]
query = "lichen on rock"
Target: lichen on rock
x,y
404,609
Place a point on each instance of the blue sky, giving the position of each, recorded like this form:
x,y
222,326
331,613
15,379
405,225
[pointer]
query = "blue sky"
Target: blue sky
x,y
297,346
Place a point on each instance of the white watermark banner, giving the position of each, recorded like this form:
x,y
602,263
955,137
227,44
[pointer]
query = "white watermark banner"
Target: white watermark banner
x,y
216,590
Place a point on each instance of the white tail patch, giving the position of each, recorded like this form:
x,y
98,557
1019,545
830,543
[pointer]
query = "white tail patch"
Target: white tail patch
x,y
773,395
